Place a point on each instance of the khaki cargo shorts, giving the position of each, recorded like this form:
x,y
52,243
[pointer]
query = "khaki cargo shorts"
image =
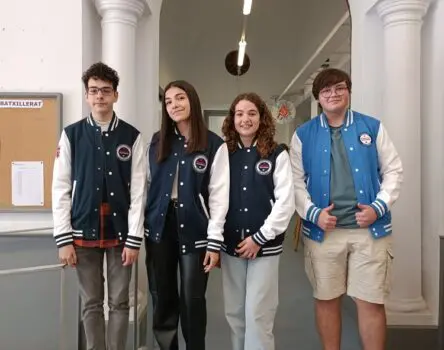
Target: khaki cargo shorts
x,y
349,261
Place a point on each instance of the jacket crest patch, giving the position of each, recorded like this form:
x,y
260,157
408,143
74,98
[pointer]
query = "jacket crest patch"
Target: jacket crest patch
x,y
200,163
263,167
124,152
365,139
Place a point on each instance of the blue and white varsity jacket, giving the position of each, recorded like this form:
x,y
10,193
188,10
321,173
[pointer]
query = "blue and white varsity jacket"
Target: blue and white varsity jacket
x,y
203,193
261,200
86,157
375,164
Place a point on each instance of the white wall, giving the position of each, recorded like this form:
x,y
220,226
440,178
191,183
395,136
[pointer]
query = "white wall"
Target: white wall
x,y
215,125
367,59
147,79
432,114
41,52
91,41
282,131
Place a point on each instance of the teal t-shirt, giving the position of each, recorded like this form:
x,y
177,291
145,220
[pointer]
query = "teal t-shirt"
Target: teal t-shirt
x,y
342,189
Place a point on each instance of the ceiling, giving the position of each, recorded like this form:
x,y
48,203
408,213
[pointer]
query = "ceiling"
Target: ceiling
x,y
281,37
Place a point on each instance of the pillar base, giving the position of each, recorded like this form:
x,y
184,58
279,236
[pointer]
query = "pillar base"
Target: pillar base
x,y
409,312
416,319
406,304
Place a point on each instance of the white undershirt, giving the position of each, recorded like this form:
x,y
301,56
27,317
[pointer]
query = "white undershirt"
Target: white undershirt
x,y
103,125
174,192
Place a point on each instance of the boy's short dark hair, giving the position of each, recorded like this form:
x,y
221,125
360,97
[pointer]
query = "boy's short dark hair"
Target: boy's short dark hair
x,y
103,72
329,77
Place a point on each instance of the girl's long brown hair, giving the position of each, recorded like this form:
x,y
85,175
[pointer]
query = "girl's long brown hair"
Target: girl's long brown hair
x,y
267,129
198,140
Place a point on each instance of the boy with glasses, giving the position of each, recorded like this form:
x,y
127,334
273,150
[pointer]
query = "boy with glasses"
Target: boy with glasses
x,y
347,175
98,207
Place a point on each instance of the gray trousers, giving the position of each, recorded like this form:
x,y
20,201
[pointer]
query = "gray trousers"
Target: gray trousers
x,y
250,289
91,284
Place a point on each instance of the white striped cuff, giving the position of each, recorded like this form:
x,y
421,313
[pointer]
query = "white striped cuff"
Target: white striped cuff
x,y
313,214
63,239
201,244
380,207
214,245
259,238
133,242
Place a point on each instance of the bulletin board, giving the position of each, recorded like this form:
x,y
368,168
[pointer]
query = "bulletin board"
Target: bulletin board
x,y
30,127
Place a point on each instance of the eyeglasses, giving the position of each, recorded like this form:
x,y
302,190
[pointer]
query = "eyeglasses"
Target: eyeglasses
x,y
339,90
106,90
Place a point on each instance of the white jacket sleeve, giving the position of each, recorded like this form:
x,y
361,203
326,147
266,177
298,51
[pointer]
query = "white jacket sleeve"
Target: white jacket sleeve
x,y
61,193
283,207
219,195
390,169
304,205
136,213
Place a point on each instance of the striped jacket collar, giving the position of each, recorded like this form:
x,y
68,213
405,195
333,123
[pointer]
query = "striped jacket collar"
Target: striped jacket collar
x,y
348,119
179,134
241,145
112,125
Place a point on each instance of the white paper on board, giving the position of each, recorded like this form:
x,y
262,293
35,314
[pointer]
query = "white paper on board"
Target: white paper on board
x,y
27,183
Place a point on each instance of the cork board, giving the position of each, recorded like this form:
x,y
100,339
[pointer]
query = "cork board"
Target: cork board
x,y
30,127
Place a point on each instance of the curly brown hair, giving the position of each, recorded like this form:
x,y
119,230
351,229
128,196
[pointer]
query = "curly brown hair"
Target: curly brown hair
x,y
267,128
103,72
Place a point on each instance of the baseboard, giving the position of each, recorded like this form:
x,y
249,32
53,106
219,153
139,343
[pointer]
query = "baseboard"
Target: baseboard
x,y
412,338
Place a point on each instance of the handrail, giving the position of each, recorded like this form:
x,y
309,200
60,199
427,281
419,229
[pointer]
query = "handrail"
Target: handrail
x,y
27,230
62,336
136,293
31,269
41,268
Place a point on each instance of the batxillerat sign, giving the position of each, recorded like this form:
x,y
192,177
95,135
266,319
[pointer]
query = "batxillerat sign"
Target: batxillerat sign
x,y
21,103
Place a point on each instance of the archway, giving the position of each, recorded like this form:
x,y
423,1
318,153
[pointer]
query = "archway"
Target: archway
x,y
287,44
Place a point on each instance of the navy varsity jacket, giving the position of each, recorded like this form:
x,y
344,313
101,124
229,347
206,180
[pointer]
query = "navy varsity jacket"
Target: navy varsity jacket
x,y
86,160
261,200
203,193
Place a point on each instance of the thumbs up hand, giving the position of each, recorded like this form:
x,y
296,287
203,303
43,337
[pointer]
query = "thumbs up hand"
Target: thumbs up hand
x,y
366,216
326,221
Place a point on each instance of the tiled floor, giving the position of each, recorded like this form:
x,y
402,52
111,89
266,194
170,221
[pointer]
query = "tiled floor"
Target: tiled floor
x,y
295,323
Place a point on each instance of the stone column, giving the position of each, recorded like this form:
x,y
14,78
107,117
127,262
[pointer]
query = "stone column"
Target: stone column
x,y
402,20
119,24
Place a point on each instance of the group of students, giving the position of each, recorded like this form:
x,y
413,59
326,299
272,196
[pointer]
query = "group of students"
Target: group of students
x,y
203,202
